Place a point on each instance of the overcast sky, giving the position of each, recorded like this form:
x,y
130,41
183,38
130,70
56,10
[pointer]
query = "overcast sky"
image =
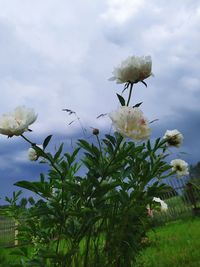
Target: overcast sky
x,y
60,54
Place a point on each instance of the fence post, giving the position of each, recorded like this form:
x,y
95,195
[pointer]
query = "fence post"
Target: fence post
x,y
16,233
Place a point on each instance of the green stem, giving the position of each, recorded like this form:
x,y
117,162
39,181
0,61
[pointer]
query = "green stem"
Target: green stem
x,y
87,248
100,148
62,220
130,93
32,144
58,242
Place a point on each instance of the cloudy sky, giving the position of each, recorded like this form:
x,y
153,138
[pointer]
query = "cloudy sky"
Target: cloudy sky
x,y
60,54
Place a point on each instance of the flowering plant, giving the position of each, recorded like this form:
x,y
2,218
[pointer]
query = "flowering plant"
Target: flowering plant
x,y
98,218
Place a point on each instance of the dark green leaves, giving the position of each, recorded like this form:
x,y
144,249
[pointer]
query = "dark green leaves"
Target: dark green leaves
x,y
91,148
46,141
121,100
40,188
58,153
71,158
111,138
144,83
137,105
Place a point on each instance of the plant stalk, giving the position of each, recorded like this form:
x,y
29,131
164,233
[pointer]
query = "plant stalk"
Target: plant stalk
x,y
130,93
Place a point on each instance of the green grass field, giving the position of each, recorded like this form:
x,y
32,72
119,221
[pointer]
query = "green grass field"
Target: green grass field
x,y
176,244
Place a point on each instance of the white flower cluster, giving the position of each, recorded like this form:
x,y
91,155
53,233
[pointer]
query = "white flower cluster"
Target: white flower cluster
x,y
173,138
180,167
163,205
130,122
17,122
133,70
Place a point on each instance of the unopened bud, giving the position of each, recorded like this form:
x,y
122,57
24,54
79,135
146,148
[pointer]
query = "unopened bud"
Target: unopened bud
x,y
95,131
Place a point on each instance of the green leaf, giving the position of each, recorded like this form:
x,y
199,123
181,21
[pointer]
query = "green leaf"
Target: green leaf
x,y
90,148
8,199
17,194
137,105
84,144
36,187
156,146
31,200
42,177
121,100
144,83
23,202
149,145
23,251
57,155
46,141
111,138
108,145
127,171
27,185
72,157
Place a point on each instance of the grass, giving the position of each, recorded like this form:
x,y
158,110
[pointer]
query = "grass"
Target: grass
x,y
175,244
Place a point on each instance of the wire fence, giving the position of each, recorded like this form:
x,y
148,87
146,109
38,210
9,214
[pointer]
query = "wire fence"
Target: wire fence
x,y
182,199
7,232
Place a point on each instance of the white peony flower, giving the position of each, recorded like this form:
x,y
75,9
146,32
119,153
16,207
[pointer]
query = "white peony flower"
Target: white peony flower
x,y
133,70
130,122
180,167
17,122
32,154
173,137
163,205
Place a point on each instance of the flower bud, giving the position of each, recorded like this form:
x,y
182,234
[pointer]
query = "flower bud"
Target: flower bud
x,y
32,154
95,131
